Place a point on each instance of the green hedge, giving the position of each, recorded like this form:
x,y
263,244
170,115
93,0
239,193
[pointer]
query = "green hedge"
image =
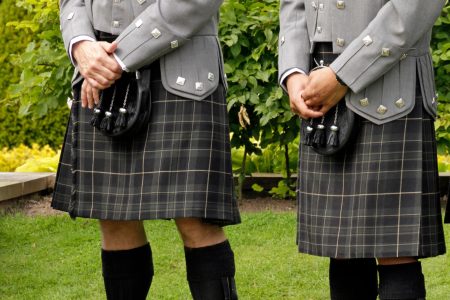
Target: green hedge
x,y
441,58
11,42
48,130
15,129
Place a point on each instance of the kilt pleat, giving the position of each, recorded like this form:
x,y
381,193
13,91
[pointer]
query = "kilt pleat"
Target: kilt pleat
x,y
377,198
179,166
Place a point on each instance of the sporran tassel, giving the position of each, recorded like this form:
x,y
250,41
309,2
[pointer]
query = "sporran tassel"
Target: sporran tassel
x,y
333,139
107,122
95,121
319,135
308,141
122,118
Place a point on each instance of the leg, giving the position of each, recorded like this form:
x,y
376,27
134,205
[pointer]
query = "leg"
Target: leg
x,y
209,260
353,279
401,278
126,260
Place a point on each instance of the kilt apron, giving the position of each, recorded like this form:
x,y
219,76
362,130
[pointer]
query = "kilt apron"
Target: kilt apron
x,y
379,197
179,166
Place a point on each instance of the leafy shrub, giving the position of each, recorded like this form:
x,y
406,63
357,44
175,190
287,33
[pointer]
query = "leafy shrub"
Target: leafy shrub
x,y
42,164
14,130
11,159
444,163
47,130
249,35
46,70
12,42
441,58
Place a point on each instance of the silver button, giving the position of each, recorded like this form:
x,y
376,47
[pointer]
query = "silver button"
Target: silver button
x,y
156,33
400,103
282,40
138,23
385,52
319,29
181,80
174,44
141,1
321,6
115,24
340,4
403,56
340,42
70,16
314,5
367,40
364,102
381,109
199,86
210,76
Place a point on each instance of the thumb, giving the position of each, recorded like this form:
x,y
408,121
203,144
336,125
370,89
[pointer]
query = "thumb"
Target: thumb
x,y
109,47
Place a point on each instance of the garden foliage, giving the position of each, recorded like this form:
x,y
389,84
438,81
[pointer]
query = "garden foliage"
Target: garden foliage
x,y
441,58
45,128
29,159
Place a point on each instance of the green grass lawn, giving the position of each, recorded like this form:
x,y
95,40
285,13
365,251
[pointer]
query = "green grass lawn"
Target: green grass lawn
x,y
57,258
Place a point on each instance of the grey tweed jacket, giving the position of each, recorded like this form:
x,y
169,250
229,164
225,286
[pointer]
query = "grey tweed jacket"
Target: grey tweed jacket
x,y
181,34
383,46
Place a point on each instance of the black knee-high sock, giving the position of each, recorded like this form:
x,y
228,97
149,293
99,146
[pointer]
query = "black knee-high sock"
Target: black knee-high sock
x,y
127,273
210,272
403,281
353,279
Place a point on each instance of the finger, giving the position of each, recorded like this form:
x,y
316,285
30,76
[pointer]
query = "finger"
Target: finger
x,y
293,107
90,99
103,74
109,47
96,93
83,95
305,111
111,63
325,109
95,84
102,60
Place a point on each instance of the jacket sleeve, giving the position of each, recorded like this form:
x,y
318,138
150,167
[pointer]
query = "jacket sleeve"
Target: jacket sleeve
x,y
161,28
396,28
74,21
293,41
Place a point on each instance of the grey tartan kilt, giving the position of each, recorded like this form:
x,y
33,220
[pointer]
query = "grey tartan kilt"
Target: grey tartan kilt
x,y
378,198
179,166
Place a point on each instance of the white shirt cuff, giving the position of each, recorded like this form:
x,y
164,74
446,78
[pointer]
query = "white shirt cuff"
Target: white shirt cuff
x,y
120,62
76,40
286,74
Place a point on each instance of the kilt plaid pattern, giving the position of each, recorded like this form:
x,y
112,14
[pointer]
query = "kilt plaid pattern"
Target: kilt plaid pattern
x,y
377,198
179,166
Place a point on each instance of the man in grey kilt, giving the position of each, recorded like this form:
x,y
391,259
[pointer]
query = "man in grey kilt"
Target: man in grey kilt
x,y
177,167
377,199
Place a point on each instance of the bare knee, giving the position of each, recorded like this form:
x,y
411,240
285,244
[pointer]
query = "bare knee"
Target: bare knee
x,y
122,235
195,233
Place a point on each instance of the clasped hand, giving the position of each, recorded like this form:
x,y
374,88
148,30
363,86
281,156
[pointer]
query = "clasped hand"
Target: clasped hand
x,y
312,96
98,67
